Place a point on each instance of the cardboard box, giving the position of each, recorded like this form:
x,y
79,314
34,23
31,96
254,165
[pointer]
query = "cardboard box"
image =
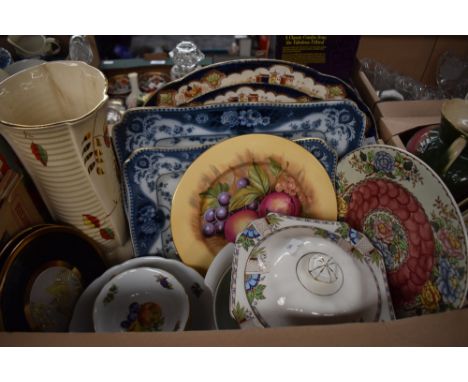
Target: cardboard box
x,y
396,117
414,56
443,329
391,127
17,210
410,56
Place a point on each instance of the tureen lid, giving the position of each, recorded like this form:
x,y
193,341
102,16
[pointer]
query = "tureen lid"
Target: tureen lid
x,y
306,275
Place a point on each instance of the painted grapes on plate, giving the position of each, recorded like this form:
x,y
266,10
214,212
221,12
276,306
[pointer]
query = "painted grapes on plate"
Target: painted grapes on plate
x,y
246,193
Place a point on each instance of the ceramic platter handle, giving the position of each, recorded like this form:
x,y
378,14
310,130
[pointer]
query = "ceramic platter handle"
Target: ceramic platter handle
x,y
454,152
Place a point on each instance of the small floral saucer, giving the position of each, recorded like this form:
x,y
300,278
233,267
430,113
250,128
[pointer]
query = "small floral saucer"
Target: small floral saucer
x,y
295,271
141,300
406,210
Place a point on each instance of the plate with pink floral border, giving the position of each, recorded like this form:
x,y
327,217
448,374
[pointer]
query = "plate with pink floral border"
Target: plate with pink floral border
x,y
410,216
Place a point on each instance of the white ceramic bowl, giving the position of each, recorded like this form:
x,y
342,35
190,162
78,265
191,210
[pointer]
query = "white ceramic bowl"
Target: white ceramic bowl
x,y
141,299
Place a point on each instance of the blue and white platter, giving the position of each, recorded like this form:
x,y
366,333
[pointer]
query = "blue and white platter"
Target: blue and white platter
x,y
339,123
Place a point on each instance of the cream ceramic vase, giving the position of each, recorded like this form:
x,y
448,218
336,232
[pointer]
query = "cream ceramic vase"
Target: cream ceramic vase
x,y
54,117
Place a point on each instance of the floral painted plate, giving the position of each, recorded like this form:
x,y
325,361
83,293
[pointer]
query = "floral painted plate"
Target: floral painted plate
x,y
339,123
43,276
200,297
411,217
239,180
150,178
251,93
263,71
271,283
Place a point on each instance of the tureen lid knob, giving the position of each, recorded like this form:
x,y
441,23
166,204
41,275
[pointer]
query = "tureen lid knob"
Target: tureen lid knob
x,y
319,273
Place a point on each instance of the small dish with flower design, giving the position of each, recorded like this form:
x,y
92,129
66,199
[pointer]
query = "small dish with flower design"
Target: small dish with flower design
x,y
141,300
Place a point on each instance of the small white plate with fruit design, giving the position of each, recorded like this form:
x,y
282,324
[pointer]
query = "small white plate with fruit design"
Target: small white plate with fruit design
x,y
239,180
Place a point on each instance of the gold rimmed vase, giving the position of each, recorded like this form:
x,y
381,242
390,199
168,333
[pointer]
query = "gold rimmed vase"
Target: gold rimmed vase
x,y
54,117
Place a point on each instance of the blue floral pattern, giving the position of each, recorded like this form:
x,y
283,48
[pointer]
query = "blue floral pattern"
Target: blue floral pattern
x,y
448,282
340,123
146,219
251,281
354,236
251,232
326,155
384,162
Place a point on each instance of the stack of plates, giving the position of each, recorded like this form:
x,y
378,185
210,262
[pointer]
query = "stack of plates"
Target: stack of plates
x,y
200,298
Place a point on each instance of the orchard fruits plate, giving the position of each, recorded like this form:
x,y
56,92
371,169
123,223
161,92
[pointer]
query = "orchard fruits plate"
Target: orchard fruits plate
x,y
240,180
296,271
401,204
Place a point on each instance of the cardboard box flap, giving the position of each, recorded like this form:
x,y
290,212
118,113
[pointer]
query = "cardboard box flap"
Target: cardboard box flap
x,y
399,109
390,127
416,331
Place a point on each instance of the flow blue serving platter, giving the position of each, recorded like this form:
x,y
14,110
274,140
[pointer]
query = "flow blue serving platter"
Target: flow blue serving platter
x,y
339,123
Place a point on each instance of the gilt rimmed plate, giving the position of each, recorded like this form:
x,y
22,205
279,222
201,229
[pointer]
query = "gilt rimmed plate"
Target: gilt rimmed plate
x,y
264,71
200,297
253,265
401,204
266,93
339,123
43,277
150,178
237,180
